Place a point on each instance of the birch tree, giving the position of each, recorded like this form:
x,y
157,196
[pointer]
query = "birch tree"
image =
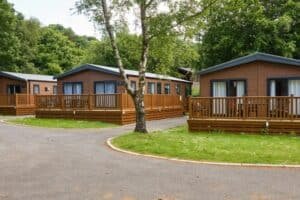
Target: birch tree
x,y
150,18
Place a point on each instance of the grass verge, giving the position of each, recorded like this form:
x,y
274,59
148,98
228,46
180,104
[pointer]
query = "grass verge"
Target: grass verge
x,y
217,147
60,123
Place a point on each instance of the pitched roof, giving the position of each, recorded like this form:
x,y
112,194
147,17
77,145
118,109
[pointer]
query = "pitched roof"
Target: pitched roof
x,y
251,58
27,77
115,71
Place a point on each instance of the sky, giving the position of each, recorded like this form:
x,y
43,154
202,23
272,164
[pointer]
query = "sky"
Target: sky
x,y
56,12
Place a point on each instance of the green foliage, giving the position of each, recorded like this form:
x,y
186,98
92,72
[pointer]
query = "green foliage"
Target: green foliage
x,y
166,53
236,28
55,48
28,47
60,123
214,146
9,42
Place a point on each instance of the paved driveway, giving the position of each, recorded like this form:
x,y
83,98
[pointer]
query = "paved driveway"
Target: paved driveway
x,y
39,164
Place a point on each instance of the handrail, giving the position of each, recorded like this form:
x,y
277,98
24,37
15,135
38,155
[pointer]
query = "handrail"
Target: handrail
x,y
246,107
17,100
120,101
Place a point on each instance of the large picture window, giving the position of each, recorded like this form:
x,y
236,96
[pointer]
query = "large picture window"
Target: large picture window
x,y
72,88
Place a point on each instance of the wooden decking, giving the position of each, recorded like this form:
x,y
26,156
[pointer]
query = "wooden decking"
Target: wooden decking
x,y
245,114
18,104
113,108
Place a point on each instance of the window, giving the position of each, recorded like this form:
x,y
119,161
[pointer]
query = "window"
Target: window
x,y
46,89
219,89
178,89
105,87
236,88
167,88
223,88
278,87
36,89
133,85
72,88
54,89
13,89
151,88
158,88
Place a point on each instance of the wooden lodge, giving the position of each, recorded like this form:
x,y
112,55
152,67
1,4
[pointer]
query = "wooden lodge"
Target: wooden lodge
x,y
255,93
97,92
17,91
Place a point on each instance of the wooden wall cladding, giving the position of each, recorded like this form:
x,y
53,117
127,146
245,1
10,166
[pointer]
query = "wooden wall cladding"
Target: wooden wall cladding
x,y
113,116
251,126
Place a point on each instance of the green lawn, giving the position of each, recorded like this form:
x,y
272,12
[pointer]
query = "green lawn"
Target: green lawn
x,y
60,123
220,147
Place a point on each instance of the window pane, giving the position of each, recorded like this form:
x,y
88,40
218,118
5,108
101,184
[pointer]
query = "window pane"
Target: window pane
x,y
151,88
36,89
178,89
99,88
219,89
77,88
158,88
68,88
133,85
110,88
54,89
167,88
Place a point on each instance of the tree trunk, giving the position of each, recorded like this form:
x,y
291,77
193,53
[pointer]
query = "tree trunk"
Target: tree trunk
x,y
138,96
140,114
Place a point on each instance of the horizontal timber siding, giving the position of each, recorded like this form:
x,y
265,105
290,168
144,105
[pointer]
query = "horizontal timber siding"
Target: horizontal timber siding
x,y
251,126
113,116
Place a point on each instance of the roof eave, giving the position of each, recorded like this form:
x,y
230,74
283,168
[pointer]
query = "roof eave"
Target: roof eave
x,y
12,77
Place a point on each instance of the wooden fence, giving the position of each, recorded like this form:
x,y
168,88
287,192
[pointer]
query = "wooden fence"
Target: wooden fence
x,y
279,108
104,102
17,100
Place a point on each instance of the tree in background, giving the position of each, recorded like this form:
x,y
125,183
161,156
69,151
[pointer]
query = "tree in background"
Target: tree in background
x,y
155,19
236,28
56,53
9,43
28,33
164,57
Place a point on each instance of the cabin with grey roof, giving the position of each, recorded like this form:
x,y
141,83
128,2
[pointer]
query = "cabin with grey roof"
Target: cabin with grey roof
x,y
21,83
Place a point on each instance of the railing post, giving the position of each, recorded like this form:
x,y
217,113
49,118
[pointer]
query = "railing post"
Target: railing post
x,y
62,102
292,106
16,99
190,107
244,107
120,97
90,101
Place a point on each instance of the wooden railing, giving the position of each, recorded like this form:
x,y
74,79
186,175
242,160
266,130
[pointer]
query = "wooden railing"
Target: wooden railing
x,y
245,107
104,102
17,100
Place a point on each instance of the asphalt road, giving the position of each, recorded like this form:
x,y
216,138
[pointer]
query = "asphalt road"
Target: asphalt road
x,y
37,164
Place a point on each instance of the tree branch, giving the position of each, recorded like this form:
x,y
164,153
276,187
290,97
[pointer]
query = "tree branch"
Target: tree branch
x,y
115,48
